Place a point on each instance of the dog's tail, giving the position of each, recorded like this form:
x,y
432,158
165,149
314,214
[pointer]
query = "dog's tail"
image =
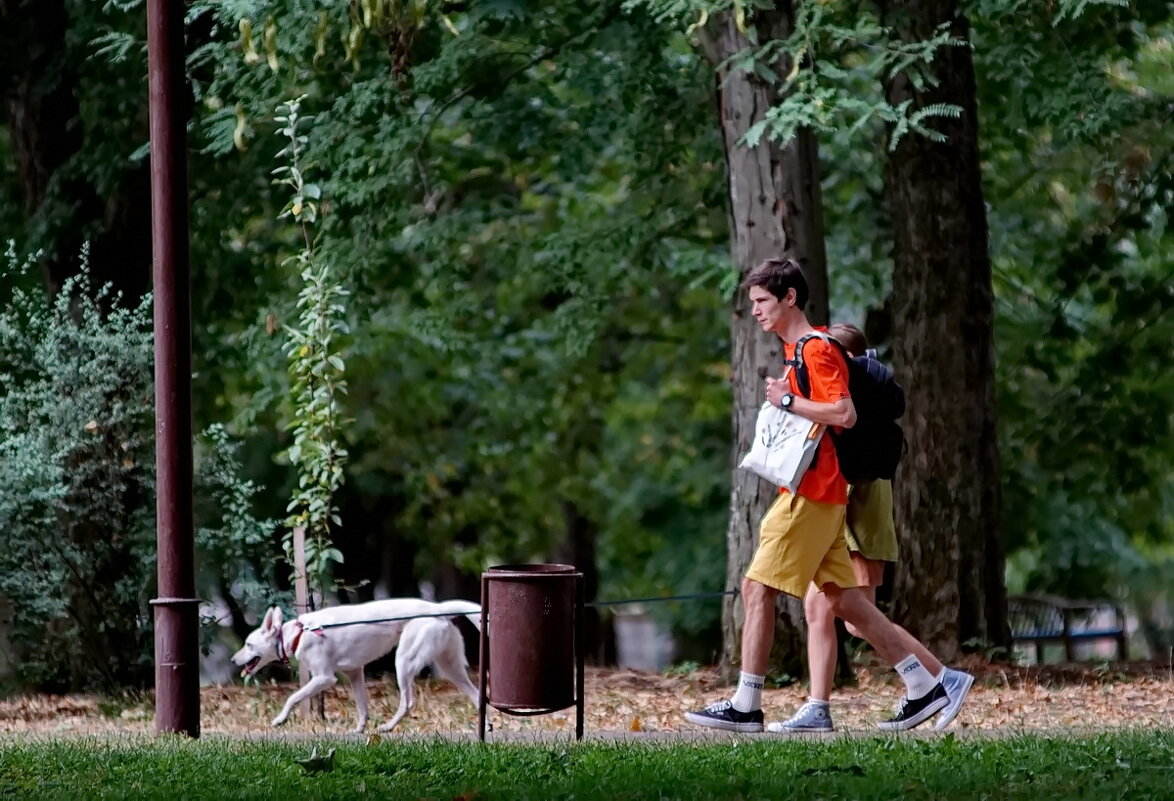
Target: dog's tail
x,y
467,609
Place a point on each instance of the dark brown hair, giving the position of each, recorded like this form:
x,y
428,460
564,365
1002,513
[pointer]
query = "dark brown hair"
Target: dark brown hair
x,y
851,337
777,276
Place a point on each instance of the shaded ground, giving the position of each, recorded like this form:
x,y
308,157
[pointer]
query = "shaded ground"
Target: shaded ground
x,y
1048,699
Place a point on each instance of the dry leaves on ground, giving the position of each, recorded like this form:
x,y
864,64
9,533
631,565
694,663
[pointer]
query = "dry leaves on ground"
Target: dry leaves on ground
x,y
1064,698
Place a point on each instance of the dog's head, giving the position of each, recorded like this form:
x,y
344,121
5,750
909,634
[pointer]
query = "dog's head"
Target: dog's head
x,y
260,646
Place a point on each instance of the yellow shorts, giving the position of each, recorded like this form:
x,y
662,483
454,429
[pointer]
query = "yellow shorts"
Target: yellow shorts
x,y
802,541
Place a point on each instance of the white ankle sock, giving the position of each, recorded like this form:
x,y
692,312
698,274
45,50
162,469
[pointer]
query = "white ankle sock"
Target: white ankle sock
x,y
749,694
918,680
942,675
817,701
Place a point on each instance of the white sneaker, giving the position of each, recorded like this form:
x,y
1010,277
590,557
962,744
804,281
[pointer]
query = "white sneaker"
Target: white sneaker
x,y
957,684
811,717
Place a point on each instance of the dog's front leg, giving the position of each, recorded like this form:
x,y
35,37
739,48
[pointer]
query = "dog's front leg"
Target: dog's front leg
x,y
314,686
359,687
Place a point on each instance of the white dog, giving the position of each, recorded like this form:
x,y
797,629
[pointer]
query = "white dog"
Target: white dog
x,y
342,639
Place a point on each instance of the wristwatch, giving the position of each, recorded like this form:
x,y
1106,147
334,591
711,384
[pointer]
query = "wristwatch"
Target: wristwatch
x,y
786,401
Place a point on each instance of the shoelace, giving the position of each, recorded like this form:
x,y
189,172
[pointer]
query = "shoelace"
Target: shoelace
x,y
901,707
720,706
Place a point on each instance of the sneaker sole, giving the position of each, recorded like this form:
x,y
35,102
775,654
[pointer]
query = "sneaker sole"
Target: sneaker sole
x,y
710,723
955,706
775,729
916,720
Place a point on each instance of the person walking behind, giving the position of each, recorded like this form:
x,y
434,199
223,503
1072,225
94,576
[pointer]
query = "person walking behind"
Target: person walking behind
x,y
871,537
801,539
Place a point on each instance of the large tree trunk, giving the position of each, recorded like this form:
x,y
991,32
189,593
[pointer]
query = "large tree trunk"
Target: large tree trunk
x,y
775,207
949,581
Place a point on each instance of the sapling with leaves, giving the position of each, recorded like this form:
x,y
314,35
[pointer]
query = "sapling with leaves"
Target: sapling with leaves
x,y
316,367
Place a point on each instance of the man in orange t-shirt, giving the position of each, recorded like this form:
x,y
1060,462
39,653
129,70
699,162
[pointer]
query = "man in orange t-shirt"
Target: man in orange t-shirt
x,y
801,538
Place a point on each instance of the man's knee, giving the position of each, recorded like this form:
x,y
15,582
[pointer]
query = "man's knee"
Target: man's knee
x,y
853,607
838,600
812,607
816,607
754,593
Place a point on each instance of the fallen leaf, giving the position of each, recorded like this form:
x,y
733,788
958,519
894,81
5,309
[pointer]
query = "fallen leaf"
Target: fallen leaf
x,y
318,764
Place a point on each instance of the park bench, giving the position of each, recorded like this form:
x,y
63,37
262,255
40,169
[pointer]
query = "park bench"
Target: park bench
x,y
1044,619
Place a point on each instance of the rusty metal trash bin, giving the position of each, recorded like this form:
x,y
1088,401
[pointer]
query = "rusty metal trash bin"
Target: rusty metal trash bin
x,y
531,654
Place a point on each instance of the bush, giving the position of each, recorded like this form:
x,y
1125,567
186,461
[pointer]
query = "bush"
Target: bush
x,y
77,491
77,480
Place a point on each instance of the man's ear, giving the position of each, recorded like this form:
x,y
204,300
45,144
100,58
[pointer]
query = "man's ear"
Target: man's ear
x,y
792,296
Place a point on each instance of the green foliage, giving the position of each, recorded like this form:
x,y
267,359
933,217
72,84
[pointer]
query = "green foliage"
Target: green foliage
x,y
1076,162
77,494
1071,9
316,369
1079,165
77,484
527,264
682,668
233,546
819,69
527,202
1129,764
110,124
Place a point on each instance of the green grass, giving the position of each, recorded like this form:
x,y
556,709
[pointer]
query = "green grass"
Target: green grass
x,y
1133,765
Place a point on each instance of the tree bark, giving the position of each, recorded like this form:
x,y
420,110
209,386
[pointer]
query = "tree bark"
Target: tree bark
x,y
775,207
578,548
949,580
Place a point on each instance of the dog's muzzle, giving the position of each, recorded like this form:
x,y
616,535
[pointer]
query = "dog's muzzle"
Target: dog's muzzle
x,y
250,666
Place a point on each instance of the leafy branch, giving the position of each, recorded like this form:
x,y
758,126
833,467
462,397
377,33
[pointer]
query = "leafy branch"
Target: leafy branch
x,y
827,70
316,367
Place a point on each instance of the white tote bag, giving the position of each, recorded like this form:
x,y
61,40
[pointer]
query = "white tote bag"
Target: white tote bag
x,y
784,446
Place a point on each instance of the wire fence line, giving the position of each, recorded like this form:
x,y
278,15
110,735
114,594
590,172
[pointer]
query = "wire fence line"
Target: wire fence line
x,y
593,604
619,602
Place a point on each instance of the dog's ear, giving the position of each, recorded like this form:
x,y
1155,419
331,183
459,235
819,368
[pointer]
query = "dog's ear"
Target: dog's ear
x,y
272,619
277,617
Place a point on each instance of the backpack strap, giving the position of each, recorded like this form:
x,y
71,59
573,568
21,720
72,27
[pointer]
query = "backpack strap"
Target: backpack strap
x,y
801,377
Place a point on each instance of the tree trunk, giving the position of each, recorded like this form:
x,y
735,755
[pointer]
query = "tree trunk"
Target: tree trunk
x,y
579,549
775,207
949,581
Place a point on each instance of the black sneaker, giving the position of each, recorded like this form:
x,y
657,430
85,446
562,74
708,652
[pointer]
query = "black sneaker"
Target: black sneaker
x,y
913,713
722,715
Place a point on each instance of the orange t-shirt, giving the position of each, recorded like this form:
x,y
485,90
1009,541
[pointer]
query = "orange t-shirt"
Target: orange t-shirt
x,y
828,374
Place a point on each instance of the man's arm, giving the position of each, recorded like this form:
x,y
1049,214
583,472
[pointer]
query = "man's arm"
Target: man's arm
x,y
841,413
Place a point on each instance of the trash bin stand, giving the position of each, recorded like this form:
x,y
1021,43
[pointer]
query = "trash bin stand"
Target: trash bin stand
x,y
542,701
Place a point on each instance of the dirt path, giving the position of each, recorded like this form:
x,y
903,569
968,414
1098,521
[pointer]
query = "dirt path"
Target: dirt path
x,y
1062,698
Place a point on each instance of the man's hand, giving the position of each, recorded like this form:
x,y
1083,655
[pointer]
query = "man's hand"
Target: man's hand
x,y
776,388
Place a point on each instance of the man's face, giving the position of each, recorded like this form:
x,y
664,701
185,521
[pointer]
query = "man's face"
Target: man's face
x,y
768,310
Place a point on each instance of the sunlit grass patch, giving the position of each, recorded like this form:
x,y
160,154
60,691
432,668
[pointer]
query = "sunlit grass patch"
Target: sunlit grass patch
x,y
1123,765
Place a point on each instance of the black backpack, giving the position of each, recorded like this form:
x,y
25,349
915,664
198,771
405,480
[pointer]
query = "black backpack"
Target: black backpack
x,y
871,449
